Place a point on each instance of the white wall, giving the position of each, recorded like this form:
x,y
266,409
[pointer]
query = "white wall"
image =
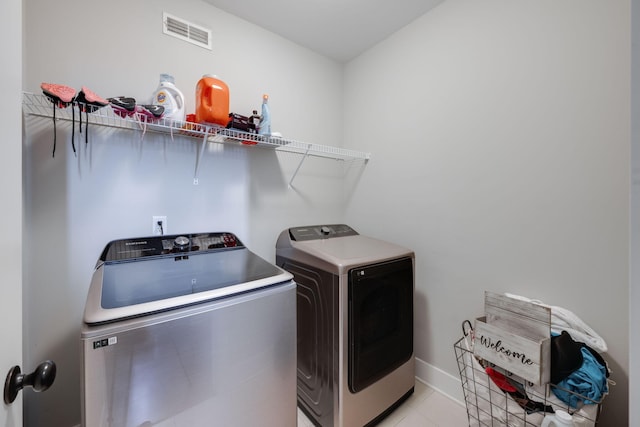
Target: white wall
x,y
75,205
500,133
634,285
11,199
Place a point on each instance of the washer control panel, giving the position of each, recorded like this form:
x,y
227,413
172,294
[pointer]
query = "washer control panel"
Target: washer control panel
x,y
154,246
316,232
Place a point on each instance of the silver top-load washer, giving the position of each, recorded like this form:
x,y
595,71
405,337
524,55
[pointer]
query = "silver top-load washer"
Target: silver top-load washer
x,y
354,320
191,330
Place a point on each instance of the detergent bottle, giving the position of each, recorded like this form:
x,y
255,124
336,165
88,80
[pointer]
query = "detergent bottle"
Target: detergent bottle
x,y
212,101
559,419
170,97
265,120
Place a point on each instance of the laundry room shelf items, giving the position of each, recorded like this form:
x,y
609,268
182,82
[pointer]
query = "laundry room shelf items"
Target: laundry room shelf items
x,y
39,105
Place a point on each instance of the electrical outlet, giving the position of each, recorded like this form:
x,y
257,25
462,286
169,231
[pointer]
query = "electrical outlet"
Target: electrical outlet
x,y
159,225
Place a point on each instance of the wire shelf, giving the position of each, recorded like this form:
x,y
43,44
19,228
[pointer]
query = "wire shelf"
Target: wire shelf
x,y
39,105
489,406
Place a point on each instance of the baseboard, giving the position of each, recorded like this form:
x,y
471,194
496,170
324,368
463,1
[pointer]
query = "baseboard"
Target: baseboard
x,y
440,380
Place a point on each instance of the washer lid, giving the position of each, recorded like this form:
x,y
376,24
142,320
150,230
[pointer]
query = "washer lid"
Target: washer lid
x,y
127,289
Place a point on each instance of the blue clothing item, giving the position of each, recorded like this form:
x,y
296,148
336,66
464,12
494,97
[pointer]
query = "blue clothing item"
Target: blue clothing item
x,y
589,381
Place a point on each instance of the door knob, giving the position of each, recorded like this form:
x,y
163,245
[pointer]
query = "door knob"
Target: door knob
x,y
40,379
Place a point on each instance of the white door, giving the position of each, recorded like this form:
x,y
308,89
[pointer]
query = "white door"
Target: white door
x,y
11,201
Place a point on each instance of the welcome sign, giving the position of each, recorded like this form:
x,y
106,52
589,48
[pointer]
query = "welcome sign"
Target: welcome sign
x,y
515,336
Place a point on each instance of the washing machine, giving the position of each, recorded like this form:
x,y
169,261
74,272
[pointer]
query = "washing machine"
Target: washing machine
x,y
188,330
355,360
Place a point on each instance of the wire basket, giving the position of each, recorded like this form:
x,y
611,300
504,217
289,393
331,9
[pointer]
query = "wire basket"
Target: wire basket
x,y
488,405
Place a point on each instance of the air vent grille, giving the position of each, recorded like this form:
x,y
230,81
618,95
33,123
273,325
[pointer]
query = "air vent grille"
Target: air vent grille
x,y
179,28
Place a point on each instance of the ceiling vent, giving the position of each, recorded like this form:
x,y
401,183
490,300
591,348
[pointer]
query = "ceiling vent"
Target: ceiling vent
x,y
177,27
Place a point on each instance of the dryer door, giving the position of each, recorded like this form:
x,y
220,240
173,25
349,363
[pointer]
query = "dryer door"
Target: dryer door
x,y
380,320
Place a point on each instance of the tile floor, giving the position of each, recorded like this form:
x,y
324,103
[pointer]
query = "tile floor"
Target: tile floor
x,y
425,408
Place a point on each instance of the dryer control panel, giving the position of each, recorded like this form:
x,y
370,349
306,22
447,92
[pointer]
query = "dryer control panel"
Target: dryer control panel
x,y
317,232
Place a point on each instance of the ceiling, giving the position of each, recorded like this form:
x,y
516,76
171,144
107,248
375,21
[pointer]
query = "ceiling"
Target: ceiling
x,y
338,29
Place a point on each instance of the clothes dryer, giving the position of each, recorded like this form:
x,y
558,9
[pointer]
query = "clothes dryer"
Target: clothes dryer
x,y
354,323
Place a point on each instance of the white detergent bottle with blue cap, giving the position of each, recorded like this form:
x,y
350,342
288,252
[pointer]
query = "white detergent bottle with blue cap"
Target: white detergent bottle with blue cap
x,y
265,119
170,97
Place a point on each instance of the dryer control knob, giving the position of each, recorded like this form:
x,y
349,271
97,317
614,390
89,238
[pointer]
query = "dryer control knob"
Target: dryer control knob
x,y
181,242
325,230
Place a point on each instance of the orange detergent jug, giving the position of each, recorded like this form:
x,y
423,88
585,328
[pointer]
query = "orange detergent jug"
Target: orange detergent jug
x,y
212,101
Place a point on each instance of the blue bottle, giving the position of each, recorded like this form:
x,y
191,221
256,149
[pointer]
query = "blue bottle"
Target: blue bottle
x,y
265,120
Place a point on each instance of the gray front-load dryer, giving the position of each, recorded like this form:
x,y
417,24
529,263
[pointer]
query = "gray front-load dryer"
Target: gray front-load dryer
x,y
354,323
